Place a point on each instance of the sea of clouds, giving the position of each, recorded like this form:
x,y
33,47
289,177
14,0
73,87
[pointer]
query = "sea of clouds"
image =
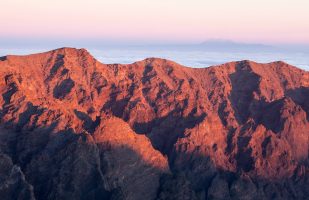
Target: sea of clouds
x,y
189,57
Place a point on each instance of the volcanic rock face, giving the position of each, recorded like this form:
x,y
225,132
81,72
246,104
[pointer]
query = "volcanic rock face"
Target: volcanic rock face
x,y
74,128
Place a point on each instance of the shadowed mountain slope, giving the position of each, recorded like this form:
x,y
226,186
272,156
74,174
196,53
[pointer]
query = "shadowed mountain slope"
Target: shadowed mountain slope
x,y
74,128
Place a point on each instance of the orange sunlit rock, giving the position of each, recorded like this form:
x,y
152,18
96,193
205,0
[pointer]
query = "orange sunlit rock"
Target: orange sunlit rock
x,y
75,128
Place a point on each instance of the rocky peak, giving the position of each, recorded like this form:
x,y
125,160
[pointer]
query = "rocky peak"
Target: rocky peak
x,y
72,127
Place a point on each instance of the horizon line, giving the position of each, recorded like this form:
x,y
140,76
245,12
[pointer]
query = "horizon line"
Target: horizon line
x,y
41,41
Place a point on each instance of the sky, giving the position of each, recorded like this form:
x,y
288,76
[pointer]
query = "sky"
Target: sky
x,y
170,21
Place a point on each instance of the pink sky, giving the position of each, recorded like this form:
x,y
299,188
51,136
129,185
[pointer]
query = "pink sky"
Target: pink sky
x,y
263,21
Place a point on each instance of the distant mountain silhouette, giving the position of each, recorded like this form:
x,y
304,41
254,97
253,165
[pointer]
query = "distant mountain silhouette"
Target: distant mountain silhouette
x,y
234,46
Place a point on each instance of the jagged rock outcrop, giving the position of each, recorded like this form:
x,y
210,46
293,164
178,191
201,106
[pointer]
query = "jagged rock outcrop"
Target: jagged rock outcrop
x,y
74,128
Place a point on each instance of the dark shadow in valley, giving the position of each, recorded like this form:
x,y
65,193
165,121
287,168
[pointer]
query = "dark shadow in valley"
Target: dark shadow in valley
x,y
59,165
59,62
128,174
270,114
88,124
148,74
3,58
12,88
117,106
301,97
63,89
163,132
244,84
244,158
69,165
24,118
66,165
195,176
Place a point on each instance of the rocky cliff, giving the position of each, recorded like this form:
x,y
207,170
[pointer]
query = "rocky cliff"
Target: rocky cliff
x,y
74,128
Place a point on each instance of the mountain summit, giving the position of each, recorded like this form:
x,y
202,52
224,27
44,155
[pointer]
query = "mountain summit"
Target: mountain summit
x,y
74,128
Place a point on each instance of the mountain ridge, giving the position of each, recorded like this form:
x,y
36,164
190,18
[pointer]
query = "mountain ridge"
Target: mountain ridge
x,y
153,129
84,50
